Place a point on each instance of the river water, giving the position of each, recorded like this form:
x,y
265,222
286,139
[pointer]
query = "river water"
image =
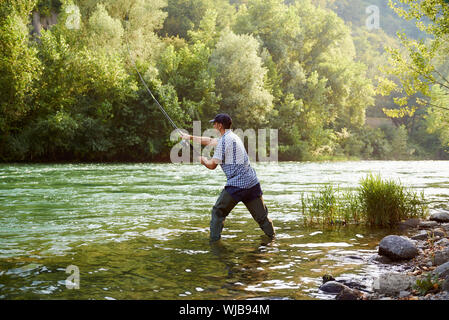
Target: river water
x,y
140,231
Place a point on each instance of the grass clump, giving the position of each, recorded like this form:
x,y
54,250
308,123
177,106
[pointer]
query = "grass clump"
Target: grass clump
x,y
321,207
386,202
376,202
331,206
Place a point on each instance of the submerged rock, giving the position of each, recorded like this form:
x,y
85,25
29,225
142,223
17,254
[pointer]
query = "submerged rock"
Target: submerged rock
x,y
380,259
25,269
397,248
409,224
440,216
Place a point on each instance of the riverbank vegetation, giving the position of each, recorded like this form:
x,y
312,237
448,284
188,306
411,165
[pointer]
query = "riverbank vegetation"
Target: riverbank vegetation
x,y
376,202
309,68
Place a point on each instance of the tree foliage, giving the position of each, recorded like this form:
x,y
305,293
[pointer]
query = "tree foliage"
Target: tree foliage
x,y
304,67
240,79
19,65
421,65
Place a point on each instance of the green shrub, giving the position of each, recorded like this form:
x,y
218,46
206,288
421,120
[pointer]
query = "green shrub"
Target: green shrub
x,y
386,202
376,202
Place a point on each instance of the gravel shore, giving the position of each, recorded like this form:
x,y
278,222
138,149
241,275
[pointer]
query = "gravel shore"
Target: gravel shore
x,y
415,260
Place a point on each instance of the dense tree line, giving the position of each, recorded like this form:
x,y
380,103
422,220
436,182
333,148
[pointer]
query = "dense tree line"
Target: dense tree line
x,y
69,90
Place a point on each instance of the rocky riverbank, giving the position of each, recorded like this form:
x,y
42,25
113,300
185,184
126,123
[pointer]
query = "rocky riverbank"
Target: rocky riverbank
x,y
415,263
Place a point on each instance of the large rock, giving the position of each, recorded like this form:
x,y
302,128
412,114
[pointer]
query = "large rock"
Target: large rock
x,y
393,283
441,257
442,270
440,216
332,287
397,248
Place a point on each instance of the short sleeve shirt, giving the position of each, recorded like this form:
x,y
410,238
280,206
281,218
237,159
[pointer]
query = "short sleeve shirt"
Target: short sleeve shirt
x,y
235,161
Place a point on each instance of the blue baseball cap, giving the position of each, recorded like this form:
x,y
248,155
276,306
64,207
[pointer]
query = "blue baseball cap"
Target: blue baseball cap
x,y
222,118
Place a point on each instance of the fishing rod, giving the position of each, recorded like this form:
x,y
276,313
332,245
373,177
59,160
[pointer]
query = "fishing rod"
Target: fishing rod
x,y
151,94
183,142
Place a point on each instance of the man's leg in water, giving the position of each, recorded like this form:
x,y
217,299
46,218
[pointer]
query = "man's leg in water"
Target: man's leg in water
x,y
225,203
259,211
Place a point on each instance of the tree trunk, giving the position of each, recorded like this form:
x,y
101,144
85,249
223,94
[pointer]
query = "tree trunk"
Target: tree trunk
x,y
36,22
44,22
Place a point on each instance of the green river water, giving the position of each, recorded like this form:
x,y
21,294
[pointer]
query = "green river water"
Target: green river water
x,y
140,231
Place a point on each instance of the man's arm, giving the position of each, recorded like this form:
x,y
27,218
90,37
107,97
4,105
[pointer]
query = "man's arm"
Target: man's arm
x,y
205,141
209,163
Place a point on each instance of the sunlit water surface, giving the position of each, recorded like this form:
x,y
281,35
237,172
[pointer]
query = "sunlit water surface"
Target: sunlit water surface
x,y
140,231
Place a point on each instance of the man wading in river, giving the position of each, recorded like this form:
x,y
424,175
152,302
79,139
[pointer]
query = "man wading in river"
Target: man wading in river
x,y
242,183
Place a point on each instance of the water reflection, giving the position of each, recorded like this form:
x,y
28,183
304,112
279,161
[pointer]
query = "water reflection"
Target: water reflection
x,y
246,269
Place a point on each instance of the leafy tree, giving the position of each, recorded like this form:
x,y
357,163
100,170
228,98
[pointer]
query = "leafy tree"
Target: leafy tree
x,y
240,76
315,62
105,32
187,71
296,65
74,116
438,116
144,19
46,7
207,32
185,15
421,66
19,67
274,23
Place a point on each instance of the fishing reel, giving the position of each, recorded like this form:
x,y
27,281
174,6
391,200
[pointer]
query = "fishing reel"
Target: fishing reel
x,y
185,143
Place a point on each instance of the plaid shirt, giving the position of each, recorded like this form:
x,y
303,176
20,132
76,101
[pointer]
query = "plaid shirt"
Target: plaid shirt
x,y
235,162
